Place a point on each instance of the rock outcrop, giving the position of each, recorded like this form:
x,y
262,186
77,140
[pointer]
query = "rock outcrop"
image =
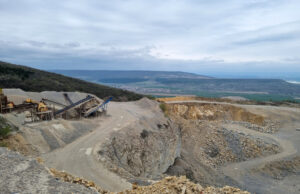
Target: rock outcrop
x,y
212,112
145,149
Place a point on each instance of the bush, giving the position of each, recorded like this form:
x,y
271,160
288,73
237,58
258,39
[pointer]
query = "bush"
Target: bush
x,y
163,107
3,144
4,128
150,97
4,131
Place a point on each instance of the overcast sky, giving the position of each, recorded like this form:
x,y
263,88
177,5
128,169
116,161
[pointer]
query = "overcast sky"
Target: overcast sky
x,y
203,36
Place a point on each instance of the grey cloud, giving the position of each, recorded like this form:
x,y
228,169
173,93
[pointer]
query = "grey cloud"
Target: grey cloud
x,y
187,35
271,38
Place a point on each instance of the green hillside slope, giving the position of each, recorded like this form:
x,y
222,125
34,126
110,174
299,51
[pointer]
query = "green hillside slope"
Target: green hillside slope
x,y
29,79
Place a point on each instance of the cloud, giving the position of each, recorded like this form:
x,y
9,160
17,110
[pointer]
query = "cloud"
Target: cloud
x,y
168,35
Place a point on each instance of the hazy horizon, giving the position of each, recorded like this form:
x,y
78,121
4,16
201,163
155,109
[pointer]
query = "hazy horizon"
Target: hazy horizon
x,y
256,75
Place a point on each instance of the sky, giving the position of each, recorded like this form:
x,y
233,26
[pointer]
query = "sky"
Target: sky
x,y
232,38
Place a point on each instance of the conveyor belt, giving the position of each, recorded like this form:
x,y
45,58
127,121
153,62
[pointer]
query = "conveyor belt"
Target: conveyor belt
x,y
88,98
67,98
92,110
53,102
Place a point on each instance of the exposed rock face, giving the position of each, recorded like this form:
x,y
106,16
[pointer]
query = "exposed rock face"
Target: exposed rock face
x,y
207,143
209,111
144,149
24,175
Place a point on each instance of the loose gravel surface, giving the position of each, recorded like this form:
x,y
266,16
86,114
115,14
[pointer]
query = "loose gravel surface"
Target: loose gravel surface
x,y
24,175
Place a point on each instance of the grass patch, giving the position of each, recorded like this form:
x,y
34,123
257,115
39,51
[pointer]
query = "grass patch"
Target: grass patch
x,y
4,131
163,107
3,144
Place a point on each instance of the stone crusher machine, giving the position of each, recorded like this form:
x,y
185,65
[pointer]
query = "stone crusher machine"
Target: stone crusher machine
x,y
81,107
96,109
39,110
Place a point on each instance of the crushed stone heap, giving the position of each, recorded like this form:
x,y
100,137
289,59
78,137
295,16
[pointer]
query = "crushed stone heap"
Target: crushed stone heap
x,y
174,185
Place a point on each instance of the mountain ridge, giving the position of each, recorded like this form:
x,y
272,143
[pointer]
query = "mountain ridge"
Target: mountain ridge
x,y
35,80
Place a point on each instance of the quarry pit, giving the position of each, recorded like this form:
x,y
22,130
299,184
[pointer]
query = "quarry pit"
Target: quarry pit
x,y
211,143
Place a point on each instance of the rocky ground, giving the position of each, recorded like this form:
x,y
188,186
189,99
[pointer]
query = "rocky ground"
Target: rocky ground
x,y
143,150
214,112
25,175
210,143
267,127
280,169
207,145
38,138
194,142
174,185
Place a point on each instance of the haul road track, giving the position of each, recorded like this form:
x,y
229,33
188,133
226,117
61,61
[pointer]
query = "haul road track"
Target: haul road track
x,y
80,157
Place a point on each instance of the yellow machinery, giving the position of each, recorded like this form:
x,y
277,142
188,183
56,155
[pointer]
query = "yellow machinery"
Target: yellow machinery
x,y
41,106
10,105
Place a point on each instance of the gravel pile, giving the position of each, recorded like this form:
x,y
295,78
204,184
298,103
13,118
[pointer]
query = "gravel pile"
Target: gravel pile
x,y
268,126
245,147
174,185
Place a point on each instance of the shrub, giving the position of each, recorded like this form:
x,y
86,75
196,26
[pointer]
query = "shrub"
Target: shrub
x,y
4,131
163,107
3,144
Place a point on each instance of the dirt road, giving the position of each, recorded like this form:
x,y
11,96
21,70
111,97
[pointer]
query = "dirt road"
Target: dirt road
x,y
80,158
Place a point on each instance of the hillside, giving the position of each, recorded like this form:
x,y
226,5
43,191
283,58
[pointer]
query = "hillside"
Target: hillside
x,y
181,83
29,79
111,76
